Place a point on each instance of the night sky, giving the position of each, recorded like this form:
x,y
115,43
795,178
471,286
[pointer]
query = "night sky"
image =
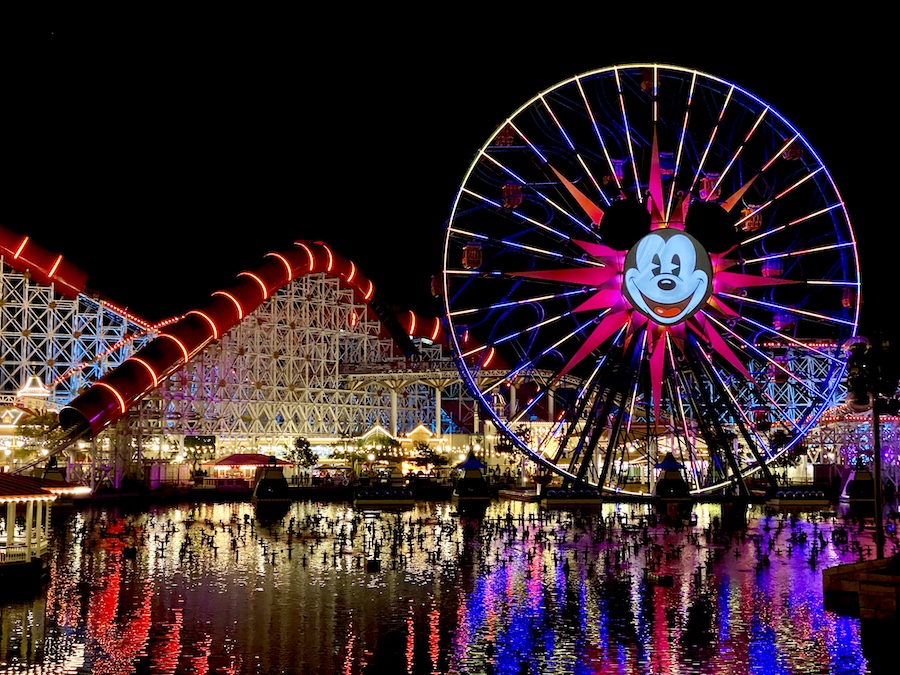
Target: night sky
x,y
163,155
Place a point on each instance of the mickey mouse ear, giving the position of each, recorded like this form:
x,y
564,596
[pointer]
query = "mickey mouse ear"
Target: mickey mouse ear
x,y
711,225
624,223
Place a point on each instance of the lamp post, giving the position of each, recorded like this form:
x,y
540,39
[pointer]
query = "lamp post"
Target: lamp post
x,y
872,385
879,493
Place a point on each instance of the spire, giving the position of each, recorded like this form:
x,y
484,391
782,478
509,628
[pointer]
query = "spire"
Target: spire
x,y
34,389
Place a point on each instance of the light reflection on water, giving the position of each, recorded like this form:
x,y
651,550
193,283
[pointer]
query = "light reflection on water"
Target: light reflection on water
x,y
222,588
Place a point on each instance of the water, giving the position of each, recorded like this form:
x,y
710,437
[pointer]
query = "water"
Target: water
x,y
322,588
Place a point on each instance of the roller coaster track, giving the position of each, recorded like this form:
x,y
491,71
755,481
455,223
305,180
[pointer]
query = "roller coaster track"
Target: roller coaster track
x,y
179,340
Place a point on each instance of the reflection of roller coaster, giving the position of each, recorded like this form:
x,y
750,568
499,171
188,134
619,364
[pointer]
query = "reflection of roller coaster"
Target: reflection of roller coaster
x,y
301,346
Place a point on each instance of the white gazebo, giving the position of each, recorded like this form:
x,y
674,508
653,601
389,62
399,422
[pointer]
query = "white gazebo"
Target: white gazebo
x,y
25,529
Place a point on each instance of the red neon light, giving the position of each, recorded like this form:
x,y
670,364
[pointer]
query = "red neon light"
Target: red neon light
x,y
370,292
287,265
412,324
115,393
437,329
240,309
309,254
149,368
55,266
352,274
215,329
20,249
265,291
179,343
490,357
330,264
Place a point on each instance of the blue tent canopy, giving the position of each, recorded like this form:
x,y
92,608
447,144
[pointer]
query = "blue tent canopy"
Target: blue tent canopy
x,y
669,463
471,462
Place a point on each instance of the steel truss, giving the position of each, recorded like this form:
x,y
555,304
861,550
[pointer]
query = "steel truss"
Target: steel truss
x,y
66,343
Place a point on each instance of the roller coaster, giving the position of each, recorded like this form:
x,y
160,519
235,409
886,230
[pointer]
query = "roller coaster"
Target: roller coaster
x,y
303,345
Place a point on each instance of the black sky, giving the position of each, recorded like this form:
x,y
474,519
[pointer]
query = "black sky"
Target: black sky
x,y
164,155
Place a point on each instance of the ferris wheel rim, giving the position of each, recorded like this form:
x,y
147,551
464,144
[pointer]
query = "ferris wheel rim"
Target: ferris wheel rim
x,y
454,233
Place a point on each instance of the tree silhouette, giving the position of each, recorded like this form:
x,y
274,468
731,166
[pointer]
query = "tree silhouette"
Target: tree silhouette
x,y
198,448
425,455
302,453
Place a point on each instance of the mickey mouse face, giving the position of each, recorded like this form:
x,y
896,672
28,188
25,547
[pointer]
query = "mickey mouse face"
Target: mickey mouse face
x,y
668,276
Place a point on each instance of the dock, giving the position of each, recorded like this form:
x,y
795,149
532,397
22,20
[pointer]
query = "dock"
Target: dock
x,y
867,590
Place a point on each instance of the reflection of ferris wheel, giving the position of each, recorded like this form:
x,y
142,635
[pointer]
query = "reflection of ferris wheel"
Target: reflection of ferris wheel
x,y
647,259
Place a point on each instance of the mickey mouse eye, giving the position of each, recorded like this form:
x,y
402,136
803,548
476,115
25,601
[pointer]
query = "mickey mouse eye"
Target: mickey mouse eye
x,y
676,265
655,264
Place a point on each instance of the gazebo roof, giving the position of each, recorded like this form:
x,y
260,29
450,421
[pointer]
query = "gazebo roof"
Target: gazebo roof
x,y
378,430
420,430
34,388
27,487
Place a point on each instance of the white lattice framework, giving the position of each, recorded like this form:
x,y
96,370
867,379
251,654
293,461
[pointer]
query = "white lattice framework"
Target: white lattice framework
x,y
280,374
311,361
67,343
300,365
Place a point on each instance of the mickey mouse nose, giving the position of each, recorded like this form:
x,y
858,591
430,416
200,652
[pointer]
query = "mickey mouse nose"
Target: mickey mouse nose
x,y
665,284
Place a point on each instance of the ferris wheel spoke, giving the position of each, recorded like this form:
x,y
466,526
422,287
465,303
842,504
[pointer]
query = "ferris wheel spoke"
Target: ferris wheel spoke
x,y
836,247
734,157
535,188
789,255
629,142
593,210
603,147
531,362
679,153
706,149
824,318
530,300
499,242
751,348
557,234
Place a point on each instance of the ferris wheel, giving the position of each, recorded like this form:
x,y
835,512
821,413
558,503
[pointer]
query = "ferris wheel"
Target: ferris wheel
x,y
646,259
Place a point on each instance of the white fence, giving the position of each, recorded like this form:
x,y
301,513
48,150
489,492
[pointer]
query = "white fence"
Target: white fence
x,y
19,553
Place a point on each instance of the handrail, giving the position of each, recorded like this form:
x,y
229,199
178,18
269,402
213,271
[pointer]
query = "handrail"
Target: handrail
x,y
19,553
